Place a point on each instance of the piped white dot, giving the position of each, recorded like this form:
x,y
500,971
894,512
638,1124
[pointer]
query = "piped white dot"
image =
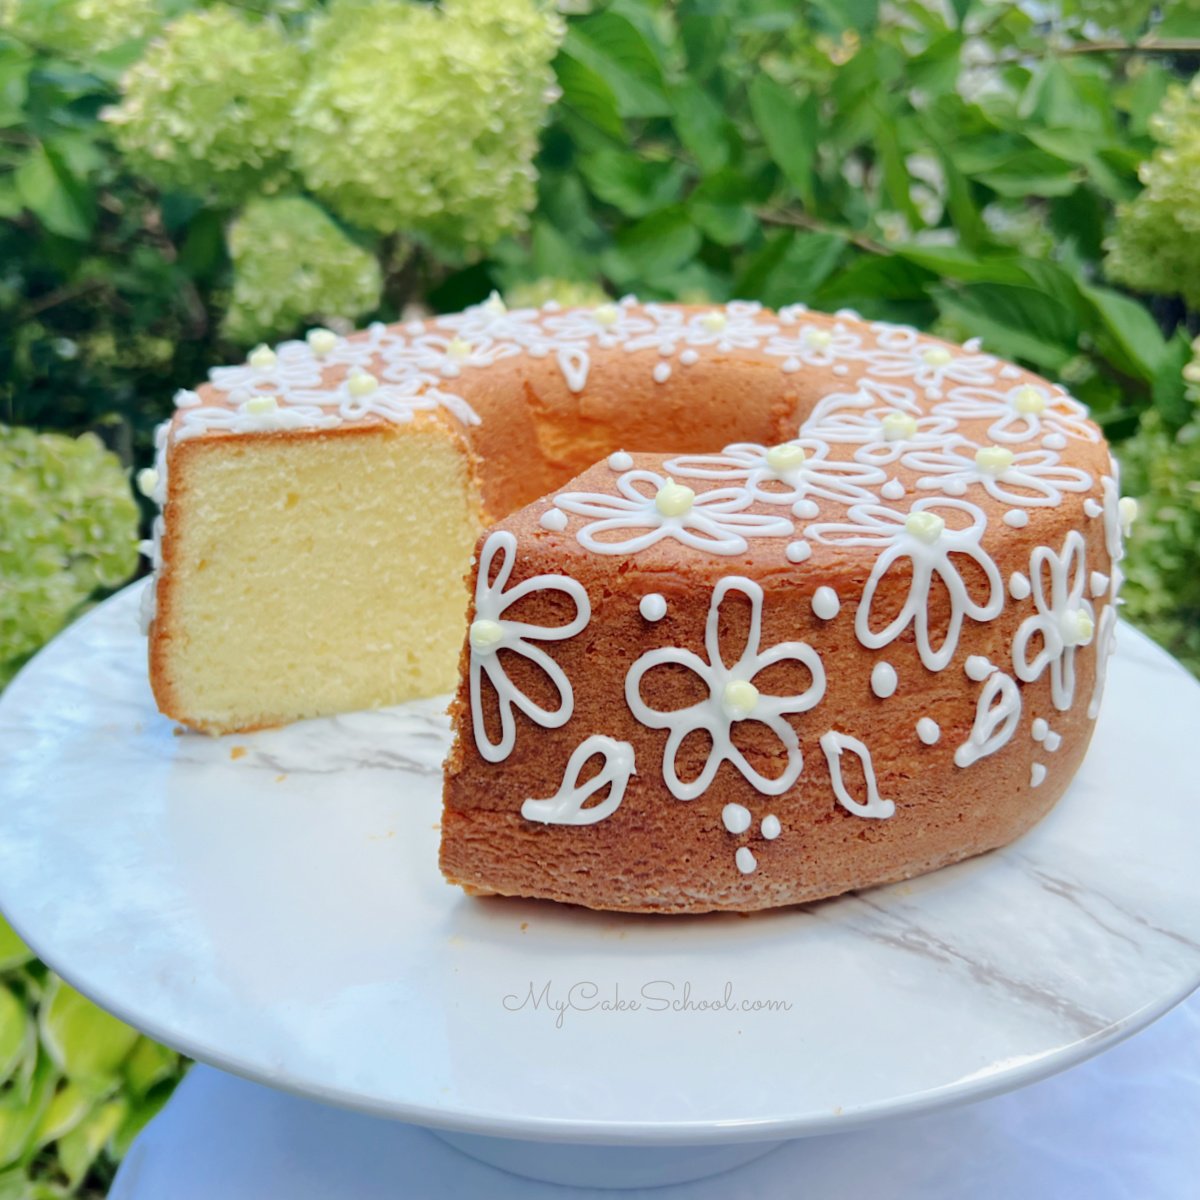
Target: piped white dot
x,y
825,603
1039,729
553,519
1017,518
1099,583
929,731
1053,741
771,828
746,862
689,358
1092,507
1037,773
620,461
978,668
735,818
893,490
662,372
1019,586
798,552
883,680
653,606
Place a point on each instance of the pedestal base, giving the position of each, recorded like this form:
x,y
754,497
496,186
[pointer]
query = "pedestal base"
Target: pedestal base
x,y
606,1166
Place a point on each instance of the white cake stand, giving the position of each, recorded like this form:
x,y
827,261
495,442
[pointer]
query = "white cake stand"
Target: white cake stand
x,y
271,904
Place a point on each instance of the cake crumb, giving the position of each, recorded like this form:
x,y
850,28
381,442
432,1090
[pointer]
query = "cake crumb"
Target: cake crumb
x,y
280,778
178,731
237,752
524,926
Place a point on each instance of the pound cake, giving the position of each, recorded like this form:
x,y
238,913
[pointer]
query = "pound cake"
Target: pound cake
x,y
762,607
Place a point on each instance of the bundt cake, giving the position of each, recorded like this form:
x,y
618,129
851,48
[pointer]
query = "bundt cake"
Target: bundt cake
x,y
763,606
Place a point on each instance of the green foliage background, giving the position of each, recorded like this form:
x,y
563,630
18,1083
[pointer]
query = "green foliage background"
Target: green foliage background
x,y
181,180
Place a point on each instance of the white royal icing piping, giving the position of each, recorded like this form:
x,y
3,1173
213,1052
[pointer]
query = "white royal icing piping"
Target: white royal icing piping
x,y
883,680
566,806
997,715
653,606
835,744
490,633
929,731
714,714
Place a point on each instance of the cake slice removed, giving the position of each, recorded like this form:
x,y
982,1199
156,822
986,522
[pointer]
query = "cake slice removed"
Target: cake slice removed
x,y
308,572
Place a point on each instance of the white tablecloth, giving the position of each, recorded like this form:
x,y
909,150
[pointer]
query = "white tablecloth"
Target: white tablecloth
x,y
1124,1126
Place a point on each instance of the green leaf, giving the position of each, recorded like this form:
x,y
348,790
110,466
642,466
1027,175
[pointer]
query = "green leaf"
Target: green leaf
x,y
58,200
136,1119
81,1147
1134,337
614,48
1016,322
586,92
721,207
86,1044
1062,98
17,1035
700,124
791,267
960,204
1170,389
148,1064
70,1105
632,185
787,121
15,65
954,262
20,1115
656,245
872,278
13,951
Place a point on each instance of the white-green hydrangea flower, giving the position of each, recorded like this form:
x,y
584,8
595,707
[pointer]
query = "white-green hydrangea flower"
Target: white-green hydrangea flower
x,y
68,525
209,109
426,120
1156,246
569,293
78,28
293,265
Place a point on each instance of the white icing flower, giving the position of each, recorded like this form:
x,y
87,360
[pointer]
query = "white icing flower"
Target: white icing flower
x,y
785,474
294,365
712,521
1064,619
257,414
902,353
1026,478
1021,414
732,697
736,325
817,345
491,633
931,543
883,420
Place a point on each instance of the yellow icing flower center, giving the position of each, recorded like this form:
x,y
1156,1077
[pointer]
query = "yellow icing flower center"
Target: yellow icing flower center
x,y
606,314
994,460
674,499
361,383
818,337
898,425
714,322
258,406
786,457
739,698
1029,400
1077,627
926,527
321,341
485,635
261,358
937,356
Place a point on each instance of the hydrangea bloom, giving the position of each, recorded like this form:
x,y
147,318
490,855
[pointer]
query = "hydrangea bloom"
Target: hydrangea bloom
x,y
79,28
1155,245
209,109
291,265
427,120
68,525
